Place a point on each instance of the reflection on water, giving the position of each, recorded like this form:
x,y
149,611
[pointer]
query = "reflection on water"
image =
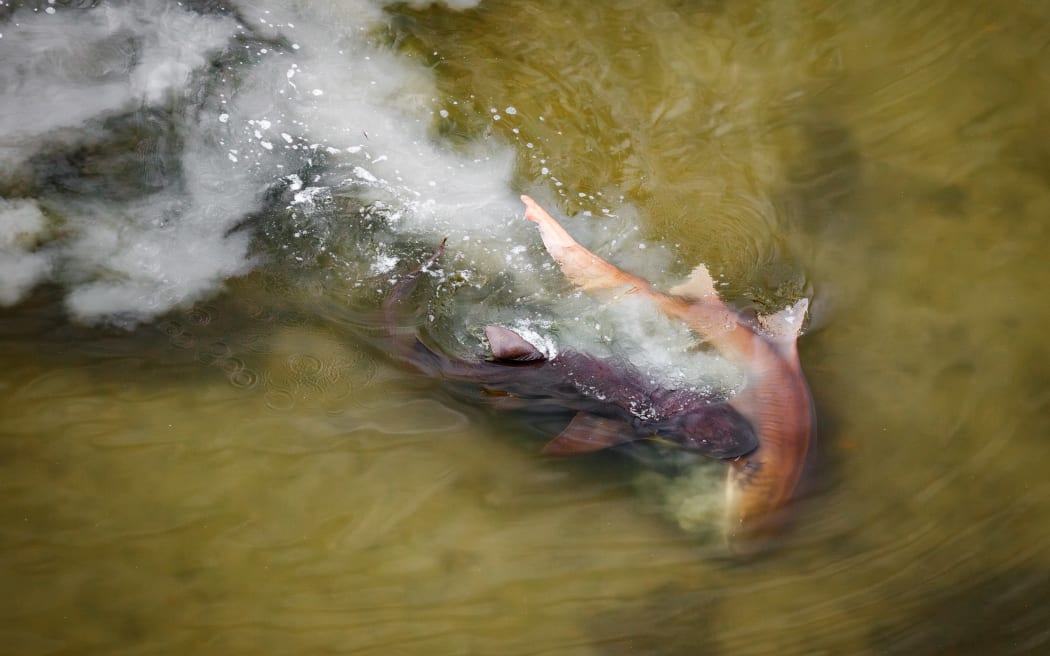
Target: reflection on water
x,y
193,462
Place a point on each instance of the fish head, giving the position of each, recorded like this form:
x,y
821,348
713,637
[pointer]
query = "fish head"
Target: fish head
x,y
716,430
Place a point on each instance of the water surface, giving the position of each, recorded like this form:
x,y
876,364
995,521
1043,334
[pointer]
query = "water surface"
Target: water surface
x,y
204,451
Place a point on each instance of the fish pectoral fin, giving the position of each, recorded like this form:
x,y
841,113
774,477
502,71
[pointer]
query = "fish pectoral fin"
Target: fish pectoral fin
x,y
587,433
509,346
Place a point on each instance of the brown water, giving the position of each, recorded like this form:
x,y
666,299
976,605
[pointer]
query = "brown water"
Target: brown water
x,y
250,476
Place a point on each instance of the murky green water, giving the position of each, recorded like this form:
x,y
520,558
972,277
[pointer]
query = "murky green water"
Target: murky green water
x,y
249,475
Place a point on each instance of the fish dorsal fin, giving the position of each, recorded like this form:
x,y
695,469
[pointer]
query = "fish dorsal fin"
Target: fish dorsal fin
x,y
699,286
509,346
587,433
785,326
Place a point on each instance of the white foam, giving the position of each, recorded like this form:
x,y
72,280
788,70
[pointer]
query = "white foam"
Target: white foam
x,y
128,259
257,123
377,105
77,69
21,225
81,65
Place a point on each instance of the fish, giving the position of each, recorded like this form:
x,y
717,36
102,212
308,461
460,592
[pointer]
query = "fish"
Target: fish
x,y
610,402
775,400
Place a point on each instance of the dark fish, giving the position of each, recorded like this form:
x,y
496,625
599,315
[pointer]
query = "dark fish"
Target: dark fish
x,y
612,403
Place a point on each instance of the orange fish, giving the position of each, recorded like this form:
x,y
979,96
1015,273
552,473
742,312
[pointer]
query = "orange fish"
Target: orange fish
x,y
775,400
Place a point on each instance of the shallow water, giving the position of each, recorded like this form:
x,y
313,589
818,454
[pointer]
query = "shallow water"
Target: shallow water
x,y
204,449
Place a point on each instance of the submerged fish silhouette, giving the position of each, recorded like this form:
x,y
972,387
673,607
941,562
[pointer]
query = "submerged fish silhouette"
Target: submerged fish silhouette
x,y
775,401
613,404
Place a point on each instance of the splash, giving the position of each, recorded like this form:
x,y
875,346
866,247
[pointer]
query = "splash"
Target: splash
x,y
144,141
21,225
147,139
147,135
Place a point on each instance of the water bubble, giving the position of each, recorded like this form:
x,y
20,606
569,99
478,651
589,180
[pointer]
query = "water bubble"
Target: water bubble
x,y
217,349
232,366
213,353
243,379
365,370
339,390
183,341
200,315
256,343
310,393
171,328
304,364
279,400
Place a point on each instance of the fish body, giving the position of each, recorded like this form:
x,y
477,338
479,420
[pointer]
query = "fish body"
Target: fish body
x,y
775,401
611,402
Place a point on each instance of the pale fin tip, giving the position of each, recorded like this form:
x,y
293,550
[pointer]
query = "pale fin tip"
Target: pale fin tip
x,y
700,285
786,324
